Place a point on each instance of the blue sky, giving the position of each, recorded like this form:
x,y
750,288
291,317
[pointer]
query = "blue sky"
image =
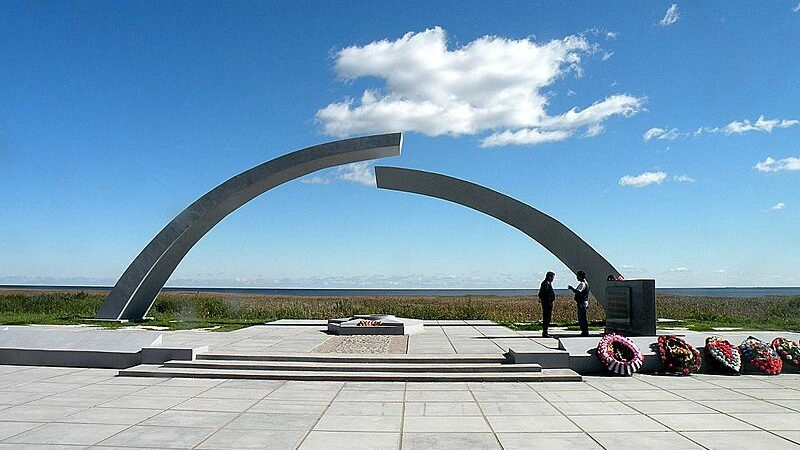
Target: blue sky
x,y
665,134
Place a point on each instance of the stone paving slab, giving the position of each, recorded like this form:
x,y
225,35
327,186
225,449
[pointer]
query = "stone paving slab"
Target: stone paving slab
x,y
600,412
80,408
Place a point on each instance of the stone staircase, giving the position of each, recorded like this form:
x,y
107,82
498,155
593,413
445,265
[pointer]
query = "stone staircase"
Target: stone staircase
x,y
349,367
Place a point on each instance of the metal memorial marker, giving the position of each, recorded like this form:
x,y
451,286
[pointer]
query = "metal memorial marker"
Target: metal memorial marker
x,y
631,307
618,308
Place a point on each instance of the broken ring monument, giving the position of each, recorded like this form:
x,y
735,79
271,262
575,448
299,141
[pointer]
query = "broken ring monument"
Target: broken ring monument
x,y
629,305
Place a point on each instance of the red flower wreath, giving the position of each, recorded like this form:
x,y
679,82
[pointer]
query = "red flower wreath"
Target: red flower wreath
x,y
788,350
619,354
760,357
723,356
677,355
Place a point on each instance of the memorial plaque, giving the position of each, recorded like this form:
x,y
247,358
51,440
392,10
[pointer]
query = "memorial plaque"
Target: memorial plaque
x,y
631,307
618,308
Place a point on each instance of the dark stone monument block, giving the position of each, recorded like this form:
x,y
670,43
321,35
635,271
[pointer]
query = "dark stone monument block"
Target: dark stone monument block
x,y
631,307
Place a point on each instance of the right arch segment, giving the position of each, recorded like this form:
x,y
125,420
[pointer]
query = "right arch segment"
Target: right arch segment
x,y
559,240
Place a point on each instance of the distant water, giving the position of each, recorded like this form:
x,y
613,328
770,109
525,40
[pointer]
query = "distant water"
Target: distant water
x,y
690,292
732,292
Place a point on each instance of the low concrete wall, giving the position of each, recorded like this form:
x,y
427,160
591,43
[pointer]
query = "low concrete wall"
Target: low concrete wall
x,y
68,358
94,358
89,347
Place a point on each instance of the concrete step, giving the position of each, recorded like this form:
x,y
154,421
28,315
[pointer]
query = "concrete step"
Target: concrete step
x,y
444,366
359,358
549,359
583,354
152,370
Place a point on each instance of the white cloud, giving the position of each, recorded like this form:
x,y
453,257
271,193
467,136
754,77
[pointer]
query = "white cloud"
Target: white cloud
x,y
736,127
645,179
672,134
623,105
631,269
524,137
796,8
490,84
761,124
683,179
671,16
359,172
661,134
594,130
772,165
653,133
604,33
779,206
315,180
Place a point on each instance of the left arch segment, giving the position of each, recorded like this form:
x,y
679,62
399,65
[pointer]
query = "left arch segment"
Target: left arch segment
x,y
136,290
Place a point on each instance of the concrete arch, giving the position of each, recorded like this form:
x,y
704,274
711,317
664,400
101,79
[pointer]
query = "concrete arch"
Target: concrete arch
x,y
562,242
136,290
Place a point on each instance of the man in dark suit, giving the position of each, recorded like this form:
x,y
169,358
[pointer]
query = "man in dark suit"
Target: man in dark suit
x,y
547,296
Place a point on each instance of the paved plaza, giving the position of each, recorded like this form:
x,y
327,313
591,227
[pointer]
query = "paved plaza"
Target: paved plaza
x,y
50,407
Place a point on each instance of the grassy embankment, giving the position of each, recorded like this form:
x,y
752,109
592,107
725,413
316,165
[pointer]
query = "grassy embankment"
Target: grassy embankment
x,y
193,310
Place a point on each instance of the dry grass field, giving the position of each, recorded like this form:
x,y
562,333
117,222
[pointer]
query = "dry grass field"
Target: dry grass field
x,y
191,309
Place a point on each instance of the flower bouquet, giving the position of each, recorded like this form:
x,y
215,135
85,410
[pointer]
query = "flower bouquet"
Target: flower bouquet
x,y
788,350
760,357
677,355
619,354
723,356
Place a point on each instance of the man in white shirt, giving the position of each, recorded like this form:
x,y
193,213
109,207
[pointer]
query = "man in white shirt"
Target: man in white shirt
x,y
582,301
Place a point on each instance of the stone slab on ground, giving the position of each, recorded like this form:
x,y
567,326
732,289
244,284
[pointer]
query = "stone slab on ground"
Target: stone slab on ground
x,y
600,412
77,338
85,346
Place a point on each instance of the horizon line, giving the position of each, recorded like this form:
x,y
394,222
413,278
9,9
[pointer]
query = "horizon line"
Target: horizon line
x,y
109,287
